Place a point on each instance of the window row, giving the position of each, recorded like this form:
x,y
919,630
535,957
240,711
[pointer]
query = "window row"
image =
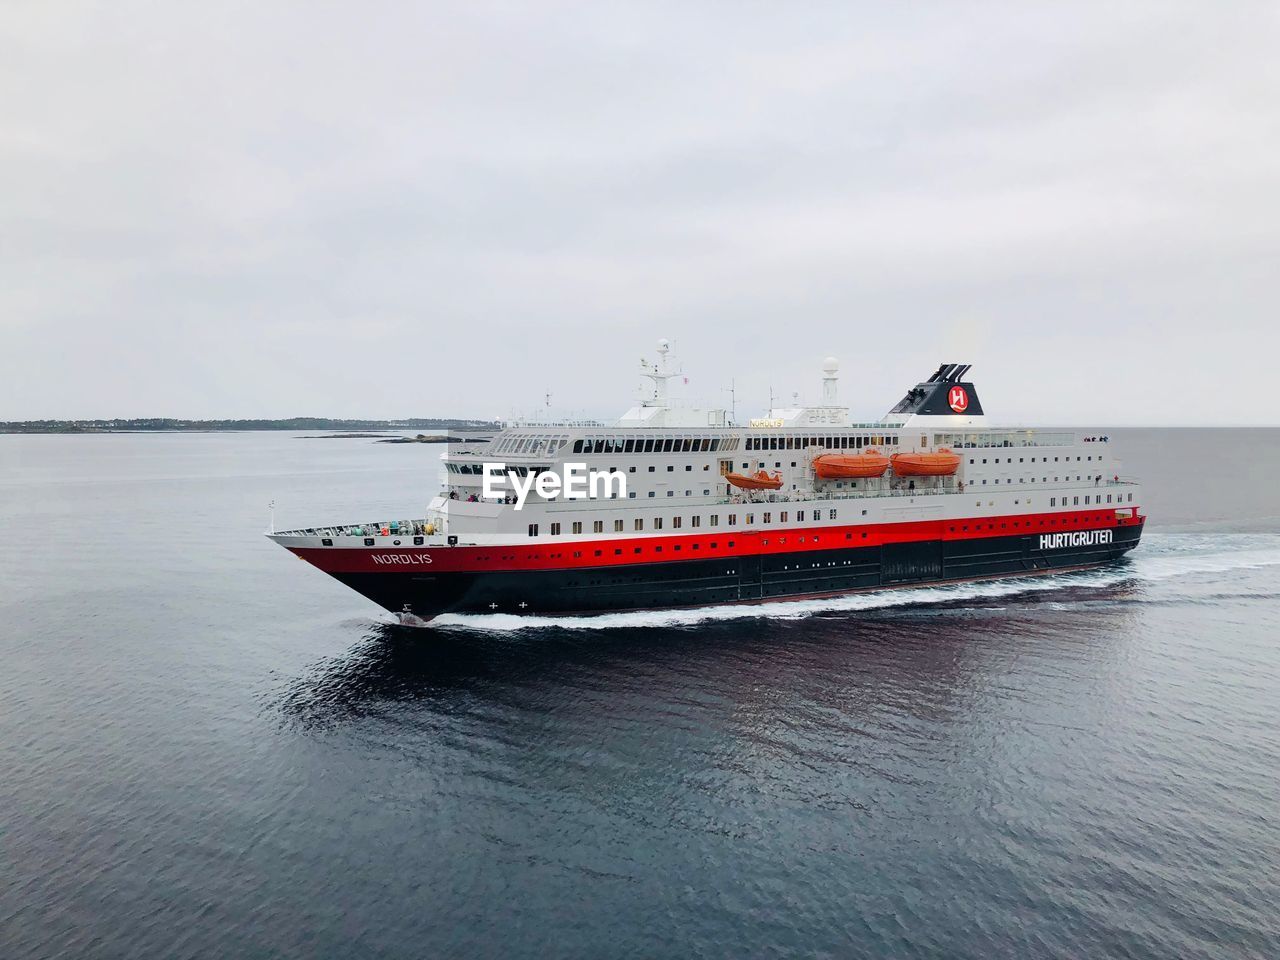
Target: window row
x,y
1019,438
996,481
829,443
478,469
536,443
1033,459
1075,501
677,523
663,444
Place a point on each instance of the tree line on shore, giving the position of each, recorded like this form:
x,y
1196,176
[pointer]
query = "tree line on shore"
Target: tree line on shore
x,y
167,424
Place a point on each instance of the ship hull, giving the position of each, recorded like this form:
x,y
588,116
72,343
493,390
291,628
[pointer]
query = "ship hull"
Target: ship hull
x,y
743,578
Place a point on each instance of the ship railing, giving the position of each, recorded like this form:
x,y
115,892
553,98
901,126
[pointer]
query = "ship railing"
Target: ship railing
x,y
394,528
471,450
919,490
412,528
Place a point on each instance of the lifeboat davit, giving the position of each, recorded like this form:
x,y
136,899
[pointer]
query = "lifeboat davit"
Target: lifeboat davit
x,y
756,481
941,463
840,466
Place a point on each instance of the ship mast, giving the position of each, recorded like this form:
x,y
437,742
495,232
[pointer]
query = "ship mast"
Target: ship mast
x,y
659,373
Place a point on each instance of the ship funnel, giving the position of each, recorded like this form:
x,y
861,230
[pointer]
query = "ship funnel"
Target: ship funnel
x,y
946,393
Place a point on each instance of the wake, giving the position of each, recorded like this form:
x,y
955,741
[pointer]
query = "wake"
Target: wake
x,y
1158,558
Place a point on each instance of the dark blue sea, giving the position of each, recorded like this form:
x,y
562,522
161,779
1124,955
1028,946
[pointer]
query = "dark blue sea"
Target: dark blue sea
x,y
210,749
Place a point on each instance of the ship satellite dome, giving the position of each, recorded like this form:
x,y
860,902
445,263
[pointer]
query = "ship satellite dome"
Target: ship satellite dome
x,y
664,345
830,365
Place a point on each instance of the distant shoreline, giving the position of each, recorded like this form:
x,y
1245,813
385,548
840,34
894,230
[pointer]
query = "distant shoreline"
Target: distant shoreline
x,y
166,425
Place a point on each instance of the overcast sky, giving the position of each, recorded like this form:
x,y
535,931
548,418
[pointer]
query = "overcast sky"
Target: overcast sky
x,y
425,209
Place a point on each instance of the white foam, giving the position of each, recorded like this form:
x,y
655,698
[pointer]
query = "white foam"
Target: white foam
x,y
1160,557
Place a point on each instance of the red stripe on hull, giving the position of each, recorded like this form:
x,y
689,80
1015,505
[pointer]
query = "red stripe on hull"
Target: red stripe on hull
x,y
723,542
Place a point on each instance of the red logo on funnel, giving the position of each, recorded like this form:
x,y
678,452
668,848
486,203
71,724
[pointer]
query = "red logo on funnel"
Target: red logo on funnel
x,y
958,398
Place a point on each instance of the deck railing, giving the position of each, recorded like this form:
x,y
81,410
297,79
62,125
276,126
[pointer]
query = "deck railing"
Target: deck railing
x,y
418,528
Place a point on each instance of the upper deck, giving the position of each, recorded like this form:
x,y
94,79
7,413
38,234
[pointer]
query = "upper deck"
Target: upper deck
x,y
675,460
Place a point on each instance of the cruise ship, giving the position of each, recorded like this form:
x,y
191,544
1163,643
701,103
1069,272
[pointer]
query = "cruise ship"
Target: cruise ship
x,y
802,503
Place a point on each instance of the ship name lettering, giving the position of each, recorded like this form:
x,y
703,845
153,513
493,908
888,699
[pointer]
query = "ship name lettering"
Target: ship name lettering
x,y
1077,538
402,558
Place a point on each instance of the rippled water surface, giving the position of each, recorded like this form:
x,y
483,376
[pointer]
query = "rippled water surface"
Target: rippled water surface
x,y
209,749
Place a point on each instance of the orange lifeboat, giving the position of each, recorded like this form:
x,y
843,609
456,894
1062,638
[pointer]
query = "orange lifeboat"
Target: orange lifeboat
x,y
840,466
941,463
756,481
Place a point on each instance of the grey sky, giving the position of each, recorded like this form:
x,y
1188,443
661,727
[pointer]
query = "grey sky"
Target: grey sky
x,y
393,209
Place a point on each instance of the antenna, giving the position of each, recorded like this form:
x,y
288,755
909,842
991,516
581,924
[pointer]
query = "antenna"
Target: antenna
x,y
272,508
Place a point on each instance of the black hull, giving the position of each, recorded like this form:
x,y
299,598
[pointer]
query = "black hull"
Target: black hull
x,y
741,579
